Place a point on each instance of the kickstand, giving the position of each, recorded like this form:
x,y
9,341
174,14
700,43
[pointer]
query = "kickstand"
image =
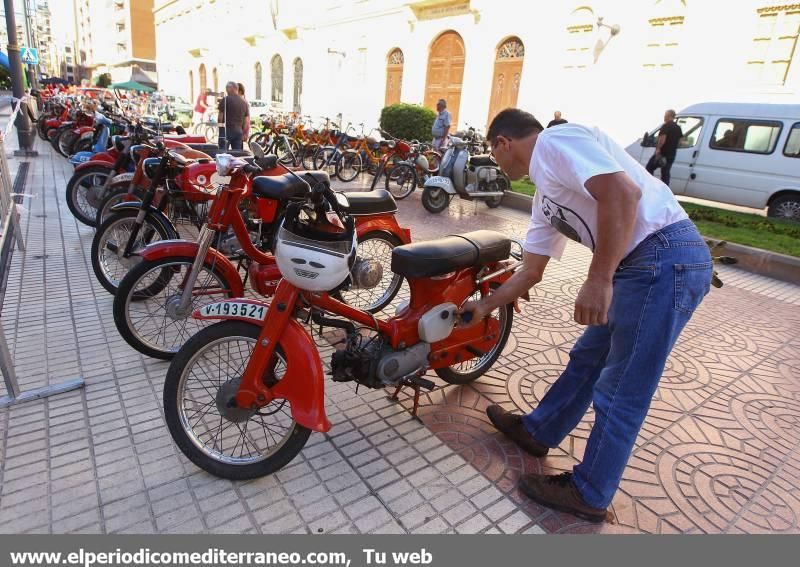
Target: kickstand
x,y
416,388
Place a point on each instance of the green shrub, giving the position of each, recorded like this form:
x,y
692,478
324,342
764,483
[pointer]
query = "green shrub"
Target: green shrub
x,y
407,121
104,80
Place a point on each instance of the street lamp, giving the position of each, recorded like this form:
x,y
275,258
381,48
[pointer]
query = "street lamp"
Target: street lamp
x,y
601,45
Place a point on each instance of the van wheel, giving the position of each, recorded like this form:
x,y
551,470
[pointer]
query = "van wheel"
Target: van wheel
x,y
786,207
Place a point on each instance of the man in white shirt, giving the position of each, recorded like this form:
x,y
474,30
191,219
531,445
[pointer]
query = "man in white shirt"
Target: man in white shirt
x,y
649,272
441,125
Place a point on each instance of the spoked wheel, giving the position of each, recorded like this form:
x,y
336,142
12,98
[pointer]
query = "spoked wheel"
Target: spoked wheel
x,y
349,166
287,155
372,285
222,439
66,142
472,369
117,193
108,246
85,193
401,181
325,160
308,155
147,309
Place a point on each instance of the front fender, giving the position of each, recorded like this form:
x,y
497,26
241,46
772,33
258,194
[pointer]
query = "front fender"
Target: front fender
x,y
153,213
443,183
303,383
185,248
94,162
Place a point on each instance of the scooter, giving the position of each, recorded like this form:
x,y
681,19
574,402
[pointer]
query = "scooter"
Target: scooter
x,y
98,141
469,177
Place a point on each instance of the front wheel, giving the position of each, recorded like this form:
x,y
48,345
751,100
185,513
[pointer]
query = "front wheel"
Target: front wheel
x,y
108,246
472,369
224,440
117,193
147,304
325,160
435,199
501,184
401,181
786,207
85,193
309,151
349,166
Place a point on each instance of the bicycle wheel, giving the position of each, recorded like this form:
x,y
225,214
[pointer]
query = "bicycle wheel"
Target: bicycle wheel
x,y
226,441
401,181
325,160
147,304
348,166
309,152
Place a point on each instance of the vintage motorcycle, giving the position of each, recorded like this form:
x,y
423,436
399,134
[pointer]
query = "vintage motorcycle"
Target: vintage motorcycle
x,y
469,177
242,396
155,300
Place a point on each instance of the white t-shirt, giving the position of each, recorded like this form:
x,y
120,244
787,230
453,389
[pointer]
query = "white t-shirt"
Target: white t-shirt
x,y
563,159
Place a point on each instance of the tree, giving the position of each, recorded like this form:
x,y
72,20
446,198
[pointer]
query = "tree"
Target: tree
x,y
104,80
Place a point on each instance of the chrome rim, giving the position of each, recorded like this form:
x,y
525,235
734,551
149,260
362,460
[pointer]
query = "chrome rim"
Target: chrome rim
x,y
241,442
789,210
85,193
150,312
402,180
373,298
112,244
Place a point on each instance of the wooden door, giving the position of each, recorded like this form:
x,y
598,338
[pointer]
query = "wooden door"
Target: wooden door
x,y
507,77
394,77
446,73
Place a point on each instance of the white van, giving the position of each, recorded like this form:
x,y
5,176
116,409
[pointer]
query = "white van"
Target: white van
x,y
737,153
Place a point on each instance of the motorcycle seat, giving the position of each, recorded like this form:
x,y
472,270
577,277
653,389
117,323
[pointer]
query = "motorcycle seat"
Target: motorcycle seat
x,y
451,253
287,186
482,160
211,150
370,202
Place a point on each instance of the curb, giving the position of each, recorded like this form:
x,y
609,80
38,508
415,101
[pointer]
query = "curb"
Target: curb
x,y
755,260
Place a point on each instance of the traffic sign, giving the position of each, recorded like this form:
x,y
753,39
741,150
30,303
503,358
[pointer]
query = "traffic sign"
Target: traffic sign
x,y
29,55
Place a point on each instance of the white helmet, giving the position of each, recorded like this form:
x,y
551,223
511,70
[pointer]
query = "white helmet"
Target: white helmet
x,y
312,259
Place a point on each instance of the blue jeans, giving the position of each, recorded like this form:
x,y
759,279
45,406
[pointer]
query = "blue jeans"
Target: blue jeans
x,y
233,141
616,367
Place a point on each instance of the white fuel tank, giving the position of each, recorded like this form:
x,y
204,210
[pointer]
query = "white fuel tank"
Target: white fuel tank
x,y
437,324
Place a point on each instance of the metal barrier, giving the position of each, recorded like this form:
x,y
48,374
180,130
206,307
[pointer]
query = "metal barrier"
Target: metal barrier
x,y
11,231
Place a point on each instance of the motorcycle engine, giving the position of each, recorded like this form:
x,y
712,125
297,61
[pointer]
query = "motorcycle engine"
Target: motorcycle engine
x,y
373,363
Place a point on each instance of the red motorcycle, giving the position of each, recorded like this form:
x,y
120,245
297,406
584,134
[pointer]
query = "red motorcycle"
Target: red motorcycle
x,y
242,396
155,300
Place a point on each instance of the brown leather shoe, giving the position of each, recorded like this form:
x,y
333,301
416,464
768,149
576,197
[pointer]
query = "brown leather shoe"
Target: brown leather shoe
x,y
510,424
559,493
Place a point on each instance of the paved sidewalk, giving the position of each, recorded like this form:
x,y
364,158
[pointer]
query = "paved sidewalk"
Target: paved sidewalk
x,y
719,451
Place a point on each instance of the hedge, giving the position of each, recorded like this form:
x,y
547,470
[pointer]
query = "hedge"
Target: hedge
x,y
407,121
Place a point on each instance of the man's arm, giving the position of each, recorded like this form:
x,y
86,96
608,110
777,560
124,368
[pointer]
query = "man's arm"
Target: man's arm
x,y
662,137
524,278
617,199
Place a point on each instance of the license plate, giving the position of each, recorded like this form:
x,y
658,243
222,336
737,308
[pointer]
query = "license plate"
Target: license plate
x,y
235,309
438,180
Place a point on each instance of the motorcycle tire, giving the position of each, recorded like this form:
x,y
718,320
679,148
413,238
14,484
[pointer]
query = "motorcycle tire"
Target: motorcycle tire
x,y
401,181
82,146
210,455
377,245
348,166
110,276
117,193
502,184
54,141
435,200
81,199
457,374
41,127
66,143
137,306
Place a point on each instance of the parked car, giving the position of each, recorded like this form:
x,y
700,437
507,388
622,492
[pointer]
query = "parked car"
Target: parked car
x,y
258,107
742,154
179,104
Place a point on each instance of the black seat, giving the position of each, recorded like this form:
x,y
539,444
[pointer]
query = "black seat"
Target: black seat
x,y
451,253
479,161
370,203
287,186
211,150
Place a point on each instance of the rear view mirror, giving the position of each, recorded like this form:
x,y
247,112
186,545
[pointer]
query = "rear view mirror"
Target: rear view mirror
x,y
257,150
648,141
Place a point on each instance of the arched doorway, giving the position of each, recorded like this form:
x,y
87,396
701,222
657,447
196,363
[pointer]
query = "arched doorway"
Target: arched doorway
x,y
276,71
215,79
298,85
259,80
445,73
202,75
507,76
191,87
394,76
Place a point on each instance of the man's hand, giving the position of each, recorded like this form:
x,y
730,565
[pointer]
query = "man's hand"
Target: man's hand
x,y
478,309
594,300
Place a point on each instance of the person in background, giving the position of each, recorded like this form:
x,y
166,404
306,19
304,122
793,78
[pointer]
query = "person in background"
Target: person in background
x,y
556,119
669,136
232,117
441,126
246,133
200,107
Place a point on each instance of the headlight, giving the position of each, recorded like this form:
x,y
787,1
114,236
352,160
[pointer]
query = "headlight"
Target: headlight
x,y
150,166
137,152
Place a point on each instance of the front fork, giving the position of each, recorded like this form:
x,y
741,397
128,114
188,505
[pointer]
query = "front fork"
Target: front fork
x,y
204,241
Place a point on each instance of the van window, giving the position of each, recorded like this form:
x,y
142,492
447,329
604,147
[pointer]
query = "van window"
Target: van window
x,y
792,147
692,127
752,136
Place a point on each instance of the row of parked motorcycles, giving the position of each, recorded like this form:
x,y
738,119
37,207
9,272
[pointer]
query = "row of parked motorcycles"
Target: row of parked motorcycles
x,y
226,264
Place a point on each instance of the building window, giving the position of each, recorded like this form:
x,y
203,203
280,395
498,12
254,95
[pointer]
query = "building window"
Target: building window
x,y
580,32
259,80
750,136
215,79
774,44
666,28
298,85
201,73
276,72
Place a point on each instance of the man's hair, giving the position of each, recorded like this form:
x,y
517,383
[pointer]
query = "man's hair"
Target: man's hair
x,y
442,101
513,123
671,112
